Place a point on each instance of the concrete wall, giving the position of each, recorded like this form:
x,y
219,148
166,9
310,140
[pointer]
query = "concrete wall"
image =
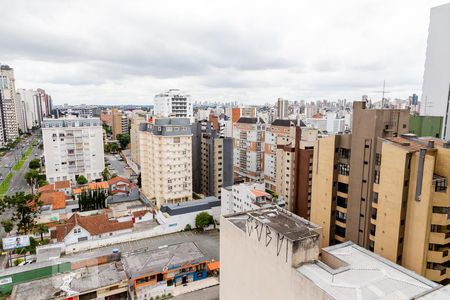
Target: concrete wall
x,y
251,270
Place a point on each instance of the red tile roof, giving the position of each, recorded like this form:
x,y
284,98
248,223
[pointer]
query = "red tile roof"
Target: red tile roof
x,y
258,193
56,199
98,185
95,225
118,179
47,188
64,184
140,213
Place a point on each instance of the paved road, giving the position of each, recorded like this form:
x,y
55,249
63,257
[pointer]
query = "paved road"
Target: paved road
x,y
119,166
208,243
211,293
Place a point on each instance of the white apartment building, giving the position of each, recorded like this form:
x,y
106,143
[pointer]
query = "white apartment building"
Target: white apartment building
x,y
243,197
248,148
73,147
166,160
8,118
436,79
173,103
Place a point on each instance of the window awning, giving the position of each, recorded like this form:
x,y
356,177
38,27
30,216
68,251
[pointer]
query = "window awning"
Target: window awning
x,y
215,265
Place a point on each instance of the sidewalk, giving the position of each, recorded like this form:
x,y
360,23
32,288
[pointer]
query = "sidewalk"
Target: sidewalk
x,y
195,286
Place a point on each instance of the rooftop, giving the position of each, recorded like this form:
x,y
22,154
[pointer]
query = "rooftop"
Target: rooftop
x,y
247,120
94,224
144,261
190,206
412,143
80,281
56,199
284,123
361,274
291,226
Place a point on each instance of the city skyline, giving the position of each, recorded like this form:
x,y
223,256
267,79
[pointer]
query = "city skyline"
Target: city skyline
x,y
236,52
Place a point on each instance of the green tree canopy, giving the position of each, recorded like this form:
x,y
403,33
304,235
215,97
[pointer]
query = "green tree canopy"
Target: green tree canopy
x,y
27,208
82,180
31,176
106,174
34,164
203,219
124,140
41,229
8,225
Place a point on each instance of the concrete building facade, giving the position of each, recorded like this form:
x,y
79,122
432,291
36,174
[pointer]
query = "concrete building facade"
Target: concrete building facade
x,y
282,109
166,160
278,134
244,197
72,148
212,159
345,168
8,117
173,103
137,118
248,149
119,123
436,79
272,254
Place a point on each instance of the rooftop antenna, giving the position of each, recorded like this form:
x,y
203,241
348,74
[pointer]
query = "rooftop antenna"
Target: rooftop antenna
x,y
383,92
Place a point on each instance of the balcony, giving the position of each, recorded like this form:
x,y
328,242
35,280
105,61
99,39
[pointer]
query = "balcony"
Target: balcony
x,y
437,273
438,256
440,238
440,219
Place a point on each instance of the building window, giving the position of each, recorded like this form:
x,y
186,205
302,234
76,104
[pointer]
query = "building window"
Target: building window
x,y
344,169
440,183
376,177
344,153
378,159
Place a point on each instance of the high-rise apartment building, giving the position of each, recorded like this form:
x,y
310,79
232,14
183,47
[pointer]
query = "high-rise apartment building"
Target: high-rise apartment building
x,y
119,123
212,160
270,253
282,109
8,118
248,149
279,133
72,148
45,102
242,197
294,171
137,118
173,103
409,220
344,171
166,160
436,79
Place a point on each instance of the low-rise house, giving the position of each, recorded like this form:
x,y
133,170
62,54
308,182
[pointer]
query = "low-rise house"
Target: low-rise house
x,y
106,281
154,273
142,216
59,186
182,214
118,185
83,228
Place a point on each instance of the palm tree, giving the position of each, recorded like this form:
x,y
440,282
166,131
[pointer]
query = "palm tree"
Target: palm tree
x,y
41,229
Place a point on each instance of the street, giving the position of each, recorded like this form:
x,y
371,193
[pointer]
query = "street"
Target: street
x,y
118,167
211,293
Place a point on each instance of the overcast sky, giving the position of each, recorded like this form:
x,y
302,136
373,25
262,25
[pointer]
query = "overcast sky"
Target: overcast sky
x,y
118,52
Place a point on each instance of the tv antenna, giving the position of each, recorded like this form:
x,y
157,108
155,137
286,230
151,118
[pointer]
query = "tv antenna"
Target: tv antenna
x,y
383,92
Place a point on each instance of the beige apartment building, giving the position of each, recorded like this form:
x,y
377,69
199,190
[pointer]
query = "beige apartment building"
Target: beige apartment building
x,y
166,160
411,205
248,151
119,122
294,171
137,118
279,133
344,170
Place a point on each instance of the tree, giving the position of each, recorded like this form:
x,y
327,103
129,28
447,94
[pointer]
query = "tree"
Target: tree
x,y
92,199
114,147
139,181
41,229
106,174
27,208
114,175
32,178
42,182
82,180
8,225
202,220
124,140
34,164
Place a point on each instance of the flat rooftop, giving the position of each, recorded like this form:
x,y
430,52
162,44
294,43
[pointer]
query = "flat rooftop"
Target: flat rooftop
x,y
144,261
80,281
362,274
190,206
440,293
291,226
412,143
